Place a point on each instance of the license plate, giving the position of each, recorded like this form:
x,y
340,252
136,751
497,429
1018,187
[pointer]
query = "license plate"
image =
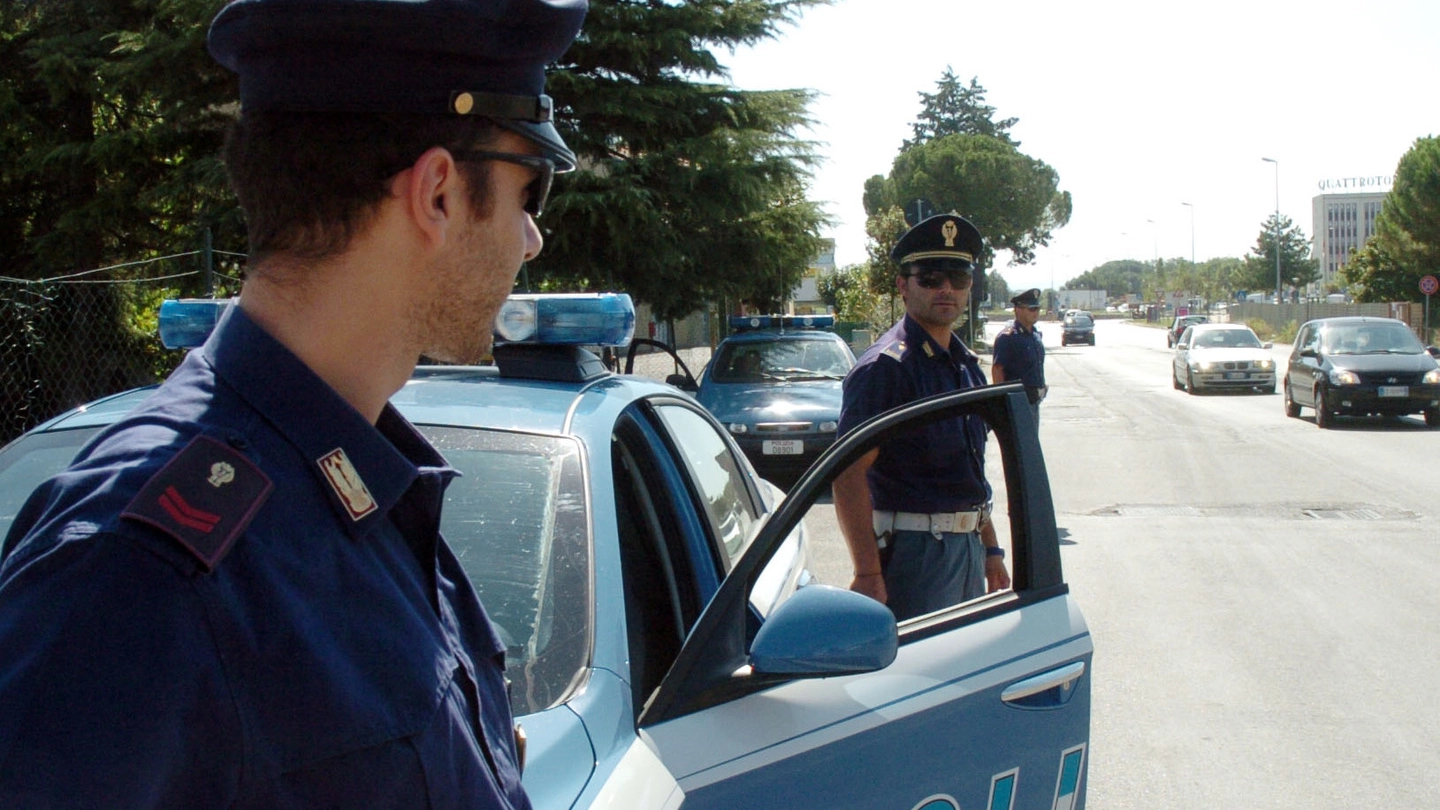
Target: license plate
x,y
1234,375
783,447
1394,390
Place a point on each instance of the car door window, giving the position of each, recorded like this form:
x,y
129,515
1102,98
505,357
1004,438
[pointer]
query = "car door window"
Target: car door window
x,y
718,477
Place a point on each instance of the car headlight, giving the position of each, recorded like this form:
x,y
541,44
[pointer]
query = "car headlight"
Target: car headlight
x,y
1340,376
1432,377
831,427
1265,365
1207,365
738,428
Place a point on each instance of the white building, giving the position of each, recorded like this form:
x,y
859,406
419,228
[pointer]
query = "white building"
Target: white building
x,y
1342,222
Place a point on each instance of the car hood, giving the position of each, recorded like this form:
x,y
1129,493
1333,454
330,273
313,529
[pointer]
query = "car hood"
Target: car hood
x,y
1229,353
809,400
1421,362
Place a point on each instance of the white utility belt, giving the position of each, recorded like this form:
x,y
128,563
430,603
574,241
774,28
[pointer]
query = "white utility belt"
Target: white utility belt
x,y
937,524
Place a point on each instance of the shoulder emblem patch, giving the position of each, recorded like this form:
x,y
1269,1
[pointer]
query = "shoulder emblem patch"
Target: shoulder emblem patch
x,y
204,498
895,350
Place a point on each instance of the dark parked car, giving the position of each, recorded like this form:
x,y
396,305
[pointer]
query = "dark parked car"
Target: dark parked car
x,y
1181,323
1079,327
1361,367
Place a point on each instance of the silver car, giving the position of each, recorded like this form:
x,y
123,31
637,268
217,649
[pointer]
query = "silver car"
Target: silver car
x,y
1222,355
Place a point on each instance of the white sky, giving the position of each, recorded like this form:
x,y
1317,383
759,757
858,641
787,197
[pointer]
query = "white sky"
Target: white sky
x,y
1140,105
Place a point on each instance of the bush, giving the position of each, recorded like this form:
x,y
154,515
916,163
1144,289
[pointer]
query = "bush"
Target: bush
x,y
1265,331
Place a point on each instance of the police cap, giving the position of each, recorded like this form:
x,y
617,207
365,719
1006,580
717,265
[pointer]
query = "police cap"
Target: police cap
x,y
1029,298
443,57
944,236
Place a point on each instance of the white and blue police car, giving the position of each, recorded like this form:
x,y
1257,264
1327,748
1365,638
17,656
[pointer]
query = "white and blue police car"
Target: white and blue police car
x,y
666,643
774,383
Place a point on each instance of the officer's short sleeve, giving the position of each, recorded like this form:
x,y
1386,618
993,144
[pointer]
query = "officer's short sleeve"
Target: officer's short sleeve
x,y
1003,353
111,692
872,388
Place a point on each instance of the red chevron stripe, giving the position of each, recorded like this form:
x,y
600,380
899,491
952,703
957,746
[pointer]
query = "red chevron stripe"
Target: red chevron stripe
x,y
185,514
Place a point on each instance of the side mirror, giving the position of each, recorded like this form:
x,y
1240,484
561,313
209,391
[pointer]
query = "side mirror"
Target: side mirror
x,y
1309,352
1267,345
1179,346
683,382
822,630
1434,350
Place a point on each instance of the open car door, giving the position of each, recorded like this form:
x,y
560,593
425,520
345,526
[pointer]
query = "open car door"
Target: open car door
x,y
827,703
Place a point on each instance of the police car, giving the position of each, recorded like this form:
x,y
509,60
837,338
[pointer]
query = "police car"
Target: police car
x,y
667,646
775,385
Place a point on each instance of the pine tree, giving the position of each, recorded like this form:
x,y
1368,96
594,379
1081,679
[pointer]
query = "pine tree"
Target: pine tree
x,y
689,190
954,109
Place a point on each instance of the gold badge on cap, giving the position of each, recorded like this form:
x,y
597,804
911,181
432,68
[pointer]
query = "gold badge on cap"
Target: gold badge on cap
x,y
347,484
463,103
949,231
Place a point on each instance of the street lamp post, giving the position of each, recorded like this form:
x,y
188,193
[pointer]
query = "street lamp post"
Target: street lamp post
x,y
1192,232
1277,225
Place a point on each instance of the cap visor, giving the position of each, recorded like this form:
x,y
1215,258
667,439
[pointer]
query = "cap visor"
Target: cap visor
x,y
547,138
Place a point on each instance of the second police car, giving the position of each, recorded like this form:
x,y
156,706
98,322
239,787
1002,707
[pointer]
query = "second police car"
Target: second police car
x,y
775,385
666,644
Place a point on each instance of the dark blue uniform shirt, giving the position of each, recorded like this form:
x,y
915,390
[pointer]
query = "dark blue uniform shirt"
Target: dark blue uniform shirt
x,y
238,597
1021,353
940,468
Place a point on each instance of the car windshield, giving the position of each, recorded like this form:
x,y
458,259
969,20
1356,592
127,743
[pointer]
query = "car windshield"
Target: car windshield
x,y
1226,339
1079,320
516,519
781,359
1371,338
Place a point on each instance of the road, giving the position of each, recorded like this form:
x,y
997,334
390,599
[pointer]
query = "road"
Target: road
x,y
1262,594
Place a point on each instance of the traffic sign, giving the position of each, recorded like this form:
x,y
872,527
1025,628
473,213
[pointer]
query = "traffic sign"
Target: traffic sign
x,y
1429,284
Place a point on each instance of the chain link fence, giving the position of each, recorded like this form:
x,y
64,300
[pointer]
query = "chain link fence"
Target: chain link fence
x,y
66,341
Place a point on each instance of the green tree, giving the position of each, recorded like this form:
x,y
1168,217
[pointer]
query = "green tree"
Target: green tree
x,y
1297,268
688,191
1406,244
1116,278
1012,198
111,119
954,109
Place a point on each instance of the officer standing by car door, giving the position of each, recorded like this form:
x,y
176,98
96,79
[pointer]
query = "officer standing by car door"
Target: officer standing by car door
x,y
1019,351
915,511
237,596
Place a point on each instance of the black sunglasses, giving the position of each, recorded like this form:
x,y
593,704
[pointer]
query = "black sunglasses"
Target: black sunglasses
x,y
538,190
932,279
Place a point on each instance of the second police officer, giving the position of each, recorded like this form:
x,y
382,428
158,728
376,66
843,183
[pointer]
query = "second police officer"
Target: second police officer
x,y
914,511
1019,353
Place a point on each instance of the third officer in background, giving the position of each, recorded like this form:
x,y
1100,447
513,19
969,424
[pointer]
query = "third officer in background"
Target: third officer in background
x,y
1019,354
915,511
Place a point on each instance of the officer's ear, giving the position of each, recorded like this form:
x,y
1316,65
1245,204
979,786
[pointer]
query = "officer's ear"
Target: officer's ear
x,y
429,192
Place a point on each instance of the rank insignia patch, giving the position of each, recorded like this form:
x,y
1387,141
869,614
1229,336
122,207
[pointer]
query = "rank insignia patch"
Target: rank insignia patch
x,y
204,498
346,482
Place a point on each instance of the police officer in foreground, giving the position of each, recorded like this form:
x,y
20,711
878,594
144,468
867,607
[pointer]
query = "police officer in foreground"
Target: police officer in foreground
x,y
238,596
1019,352
915,511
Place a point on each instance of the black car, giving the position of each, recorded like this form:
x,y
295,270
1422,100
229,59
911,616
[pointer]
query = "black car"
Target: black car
x,y
1362,367
1079,327
1178,327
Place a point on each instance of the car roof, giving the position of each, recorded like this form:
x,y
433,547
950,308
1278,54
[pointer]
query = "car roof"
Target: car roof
x,y
1216,327
1343,320
459,396
770,335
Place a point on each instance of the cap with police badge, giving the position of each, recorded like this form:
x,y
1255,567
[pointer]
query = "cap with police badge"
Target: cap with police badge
x,y
455,57
943,236
1029,298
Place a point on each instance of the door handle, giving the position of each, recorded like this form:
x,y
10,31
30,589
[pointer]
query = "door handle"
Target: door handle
x,y
1061,678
